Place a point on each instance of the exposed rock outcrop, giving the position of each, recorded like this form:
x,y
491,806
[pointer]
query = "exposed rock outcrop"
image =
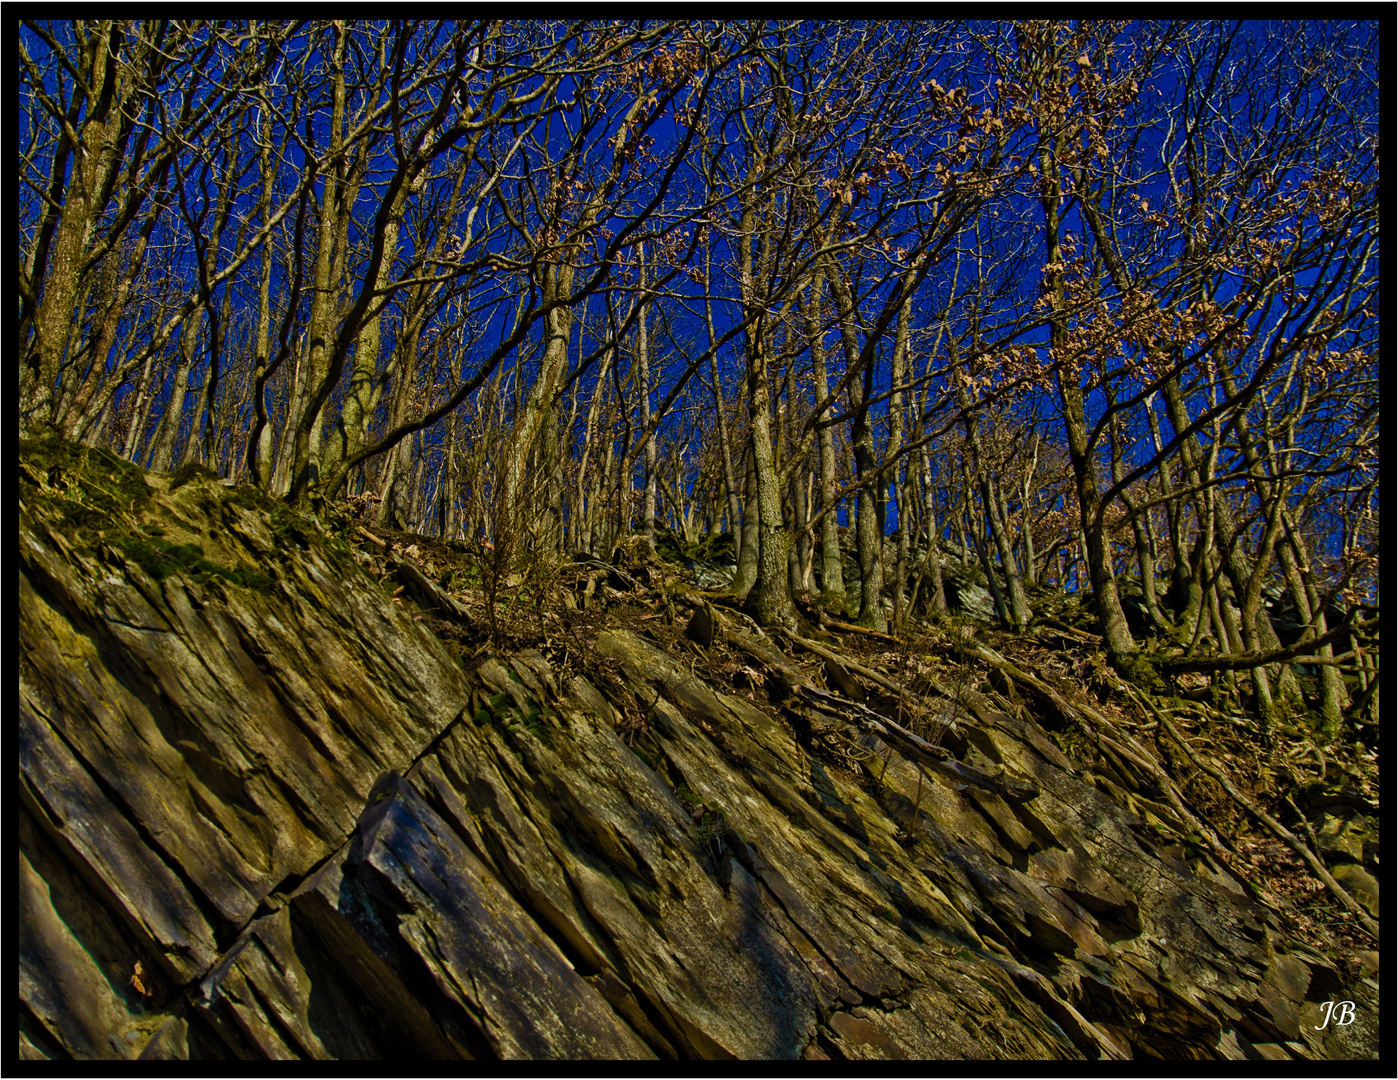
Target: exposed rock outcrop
x,y
321,835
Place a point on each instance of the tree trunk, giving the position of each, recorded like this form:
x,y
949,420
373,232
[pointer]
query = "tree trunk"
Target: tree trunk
x,y
799,559
1015,607
361,396
869,532
557,285
832,573
643,388
162,454
999,531
1026,507
393,506
770,599
586,509
991,581
140,411
898,481
1333,695
78,191
1116,634
933,534
303,431
869,528
746,576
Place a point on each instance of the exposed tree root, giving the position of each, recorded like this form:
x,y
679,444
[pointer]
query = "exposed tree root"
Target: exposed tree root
x,y
850,628
1275,827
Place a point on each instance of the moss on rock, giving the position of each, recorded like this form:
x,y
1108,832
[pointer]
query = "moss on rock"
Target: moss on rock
x,y
1138,670
189,524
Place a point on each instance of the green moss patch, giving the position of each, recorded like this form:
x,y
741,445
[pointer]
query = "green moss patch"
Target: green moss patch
x,y
101,501
92,489
1141,673
161,558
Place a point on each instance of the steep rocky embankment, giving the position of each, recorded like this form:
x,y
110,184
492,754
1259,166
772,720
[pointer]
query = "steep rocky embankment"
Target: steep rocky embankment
x,y
266,813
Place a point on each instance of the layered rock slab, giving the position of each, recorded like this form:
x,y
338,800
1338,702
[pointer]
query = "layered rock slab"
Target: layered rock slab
x,y
323,838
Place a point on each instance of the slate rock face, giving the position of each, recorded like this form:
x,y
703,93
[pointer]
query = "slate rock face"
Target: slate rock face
x,y
966,594
321,837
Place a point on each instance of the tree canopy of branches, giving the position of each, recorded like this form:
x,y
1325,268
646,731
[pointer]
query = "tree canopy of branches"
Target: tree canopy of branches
x,y
1085,307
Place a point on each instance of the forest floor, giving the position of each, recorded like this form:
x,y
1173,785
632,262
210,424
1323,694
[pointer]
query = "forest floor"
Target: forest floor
x,y
1056,671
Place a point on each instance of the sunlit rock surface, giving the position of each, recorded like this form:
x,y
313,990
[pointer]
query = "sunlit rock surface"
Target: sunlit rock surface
x,y
319,836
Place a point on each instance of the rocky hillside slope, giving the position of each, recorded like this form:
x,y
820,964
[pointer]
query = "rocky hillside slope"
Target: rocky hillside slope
x,y
278,802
